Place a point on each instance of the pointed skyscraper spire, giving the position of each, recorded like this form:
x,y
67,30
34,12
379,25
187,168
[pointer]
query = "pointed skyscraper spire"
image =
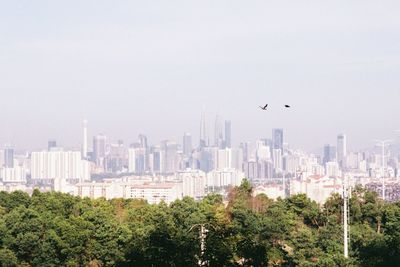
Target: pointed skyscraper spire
x,y
203,135
84,141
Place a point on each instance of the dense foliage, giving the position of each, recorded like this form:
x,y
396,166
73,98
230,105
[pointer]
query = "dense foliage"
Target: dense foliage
x,y
53,229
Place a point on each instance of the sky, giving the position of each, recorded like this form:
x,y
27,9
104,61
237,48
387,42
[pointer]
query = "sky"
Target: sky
x,y
150,67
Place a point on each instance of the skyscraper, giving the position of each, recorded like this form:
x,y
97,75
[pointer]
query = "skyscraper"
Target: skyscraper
x,y
218,136
158,159
143,141
277,160
341,149
99,150
9,157
170,163
51,144
228,134
329,153
277,139
144,145
187,144
84,141
203,134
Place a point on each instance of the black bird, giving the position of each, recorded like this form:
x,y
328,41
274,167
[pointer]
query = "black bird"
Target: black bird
x,y
287,106
265,107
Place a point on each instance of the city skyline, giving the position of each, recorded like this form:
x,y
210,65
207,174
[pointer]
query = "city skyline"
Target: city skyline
x,y
86,134
130,74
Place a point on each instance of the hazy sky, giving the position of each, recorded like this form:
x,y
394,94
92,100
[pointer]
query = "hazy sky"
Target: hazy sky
x,y
149,67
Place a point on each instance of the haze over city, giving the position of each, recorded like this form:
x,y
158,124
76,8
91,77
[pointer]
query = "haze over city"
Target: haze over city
x,y
133,67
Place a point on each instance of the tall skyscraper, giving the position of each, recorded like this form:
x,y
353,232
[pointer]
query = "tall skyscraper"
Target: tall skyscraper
x,y
136,160
116,159
277,160
51,144
341,149
99,150
218,136
8,157
203,134
143,141
170,163
228,134
277,139
329,153
146,155
84,141
187,144
158,159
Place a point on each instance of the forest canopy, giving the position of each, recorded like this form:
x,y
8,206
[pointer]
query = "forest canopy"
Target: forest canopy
x,y
54,229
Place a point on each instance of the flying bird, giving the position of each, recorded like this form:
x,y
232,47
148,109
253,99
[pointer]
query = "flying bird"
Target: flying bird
x,y
265,107
287,106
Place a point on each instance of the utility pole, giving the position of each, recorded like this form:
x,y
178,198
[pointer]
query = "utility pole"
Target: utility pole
x,y
383,143
202,237
345,219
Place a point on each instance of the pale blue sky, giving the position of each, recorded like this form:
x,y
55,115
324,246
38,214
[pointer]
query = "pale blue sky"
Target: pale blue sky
x,y
150,66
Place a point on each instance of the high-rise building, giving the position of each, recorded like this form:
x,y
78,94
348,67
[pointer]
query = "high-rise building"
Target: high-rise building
x,y
59,167
223,178
143,141
251,170
208,159
99,149
341,149
85,140
228,134
248,151
158,159
2,158
332,169
51,144
8,157
277,139
237,159
187,144
218,136
116,159
13,175
263,153
144,145
137,160
266,170
193,183
170,163
203,134
277,160
224,159
329,154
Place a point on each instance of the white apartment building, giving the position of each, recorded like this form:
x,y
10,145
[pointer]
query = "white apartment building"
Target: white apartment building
x,y
60,167
224,159
193,183
316,187
272,191
153,193
223,178
332,169
13,175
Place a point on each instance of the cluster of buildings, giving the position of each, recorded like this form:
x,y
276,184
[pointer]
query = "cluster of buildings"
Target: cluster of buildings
x,y
172,170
